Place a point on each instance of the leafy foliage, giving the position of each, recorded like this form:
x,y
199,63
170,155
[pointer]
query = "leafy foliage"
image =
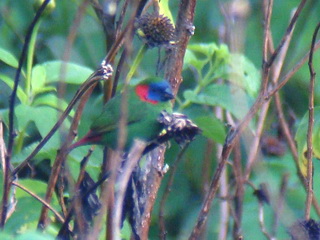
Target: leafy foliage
x,y
214,76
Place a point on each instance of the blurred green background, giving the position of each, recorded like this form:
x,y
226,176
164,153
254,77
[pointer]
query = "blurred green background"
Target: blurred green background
x,y
199,162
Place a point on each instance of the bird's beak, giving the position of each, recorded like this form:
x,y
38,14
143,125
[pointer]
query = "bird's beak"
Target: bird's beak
x,y
169,94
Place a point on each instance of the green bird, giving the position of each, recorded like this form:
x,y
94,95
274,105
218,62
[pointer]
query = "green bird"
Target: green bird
x,y
145,103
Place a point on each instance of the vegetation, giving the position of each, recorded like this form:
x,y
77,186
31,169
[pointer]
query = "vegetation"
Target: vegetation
x,y
241,75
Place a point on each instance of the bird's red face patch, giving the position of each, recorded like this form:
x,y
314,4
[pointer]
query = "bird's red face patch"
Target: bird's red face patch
x,y
142,92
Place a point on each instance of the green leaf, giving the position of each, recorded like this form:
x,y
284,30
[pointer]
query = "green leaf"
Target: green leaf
x,y
209,60
20,93
34,236
191,59
75,74
211,128
8,58
165,10
47,152
44,118
6,236
301,139
222,52
243,73
207,49
45,89
53,101
38,78
230,98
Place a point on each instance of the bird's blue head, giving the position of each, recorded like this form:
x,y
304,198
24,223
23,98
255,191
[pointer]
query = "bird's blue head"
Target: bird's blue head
x,y
154,92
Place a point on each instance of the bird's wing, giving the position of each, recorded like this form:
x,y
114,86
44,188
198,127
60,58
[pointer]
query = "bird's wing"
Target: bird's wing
x,y
110,116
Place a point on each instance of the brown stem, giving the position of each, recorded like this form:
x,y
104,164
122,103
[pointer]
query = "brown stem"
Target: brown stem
x,y
7,165
262,223
122,183
310,127
268,4
60,159
47,205
288,32
92,81
75,206
291,72
230,140
203,215
224,189
238,198
173,68
80,222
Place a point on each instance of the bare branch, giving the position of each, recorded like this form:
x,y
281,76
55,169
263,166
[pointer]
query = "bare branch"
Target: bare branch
x,y
47,205
122,184
310,127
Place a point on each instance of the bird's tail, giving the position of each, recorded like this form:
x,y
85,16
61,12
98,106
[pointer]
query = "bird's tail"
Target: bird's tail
x,y
88,139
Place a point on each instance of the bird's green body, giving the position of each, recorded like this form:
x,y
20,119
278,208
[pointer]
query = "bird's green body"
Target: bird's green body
x,y
141,120
142,116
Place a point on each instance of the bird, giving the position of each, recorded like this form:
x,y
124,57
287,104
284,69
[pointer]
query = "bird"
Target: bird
x,y
145,103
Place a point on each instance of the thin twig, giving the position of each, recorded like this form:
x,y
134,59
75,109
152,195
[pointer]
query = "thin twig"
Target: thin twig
x,y
122,184
203,215
310,127
76,201
162,224
283,123
239,190
276,70
62,154
3,150
68,46
262,224
107,192
291,72
7,175
56,213
17,76
268,4
254,147
90,82
288,32
230,141
224,189
61,90
82,225
112,231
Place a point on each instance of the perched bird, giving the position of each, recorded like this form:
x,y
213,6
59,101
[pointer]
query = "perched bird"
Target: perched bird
x,y
145,103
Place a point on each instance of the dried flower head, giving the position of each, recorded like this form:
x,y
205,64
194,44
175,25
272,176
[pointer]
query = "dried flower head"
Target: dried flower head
x,y
156,30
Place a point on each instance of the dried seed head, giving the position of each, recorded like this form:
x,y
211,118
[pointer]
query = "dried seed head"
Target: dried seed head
x,y
157,30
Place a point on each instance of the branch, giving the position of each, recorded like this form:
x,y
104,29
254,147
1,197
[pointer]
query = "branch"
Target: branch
x,y
100,74
310,127
173,69
234,133
288,32
47,205
122,184
7,181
